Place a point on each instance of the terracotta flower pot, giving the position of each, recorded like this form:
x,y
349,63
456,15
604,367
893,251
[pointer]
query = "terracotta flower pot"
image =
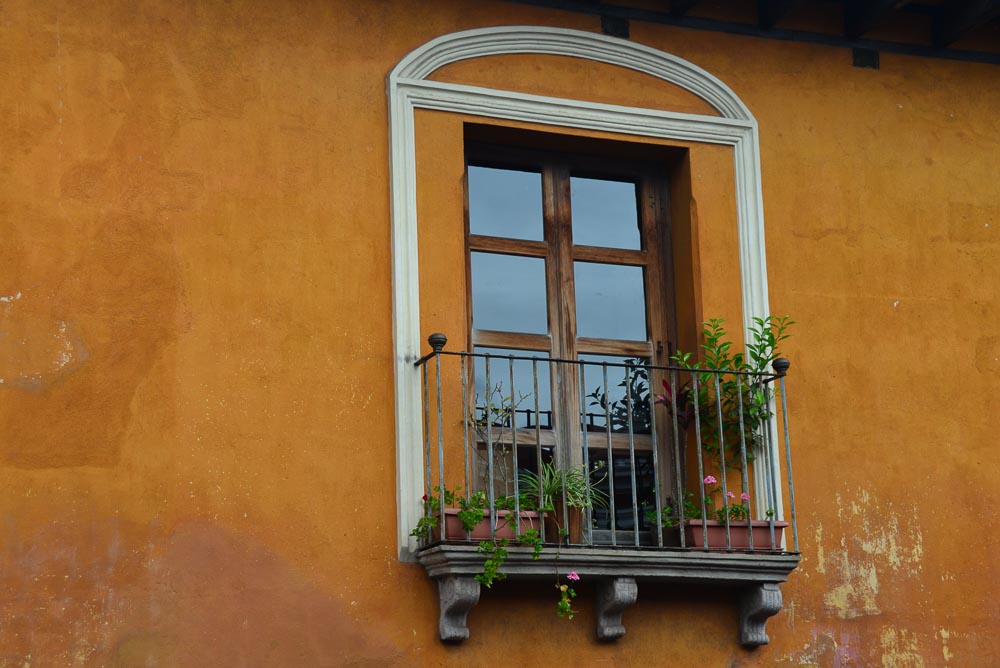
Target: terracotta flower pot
x,y
556,520
739,534
454,530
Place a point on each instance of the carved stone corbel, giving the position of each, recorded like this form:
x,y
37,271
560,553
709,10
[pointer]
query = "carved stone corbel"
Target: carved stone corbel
x,y
613,596
456,596
757,604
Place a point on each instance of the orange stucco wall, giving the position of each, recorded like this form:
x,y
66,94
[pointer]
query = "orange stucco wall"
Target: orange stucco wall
x,y
196,436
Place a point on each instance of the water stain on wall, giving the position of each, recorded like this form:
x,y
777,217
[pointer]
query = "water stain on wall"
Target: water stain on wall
x,y
96,592
73,352
90,250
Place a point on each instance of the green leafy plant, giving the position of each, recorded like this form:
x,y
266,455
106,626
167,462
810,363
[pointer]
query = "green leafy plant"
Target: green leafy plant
x,y
471,511
668,515
736,511
538,492
730,508
564,608
633,408
574,484
741,394
492,420
496,554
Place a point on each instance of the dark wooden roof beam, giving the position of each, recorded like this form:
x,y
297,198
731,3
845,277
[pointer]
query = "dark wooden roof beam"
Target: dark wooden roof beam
x,y
779,32
770,12
681,7
863,15
959,18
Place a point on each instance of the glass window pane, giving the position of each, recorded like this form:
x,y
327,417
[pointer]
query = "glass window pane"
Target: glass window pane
x,y
614,400
604,213
508,293
610,301
505,203
501,407
645,489
498,402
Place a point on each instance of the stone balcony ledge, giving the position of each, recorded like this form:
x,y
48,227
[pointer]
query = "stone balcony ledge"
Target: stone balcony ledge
x,y
617,571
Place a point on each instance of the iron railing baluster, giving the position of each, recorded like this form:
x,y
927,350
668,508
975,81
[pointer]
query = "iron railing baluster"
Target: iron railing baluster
x,y
743,461
674,380
722,458
701,465
631,454
440,431
466,472
781,366
656,461
611,457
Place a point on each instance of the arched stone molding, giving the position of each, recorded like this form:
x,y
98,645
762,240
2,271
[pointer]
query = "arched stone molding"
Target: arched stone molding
x,y
409,89
423,62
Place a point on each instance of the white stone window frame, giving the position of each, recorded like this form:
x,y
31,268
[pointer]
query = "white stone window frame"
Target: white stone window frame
x,y
410,89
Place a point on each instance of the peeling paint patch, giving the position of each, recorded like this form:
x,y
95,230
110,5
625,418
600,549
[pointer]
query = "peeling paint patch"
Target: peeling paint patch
x,y
856,595
902,548
824,648
820,555
900,648
11,298
66,352
873,539
36,351
945,635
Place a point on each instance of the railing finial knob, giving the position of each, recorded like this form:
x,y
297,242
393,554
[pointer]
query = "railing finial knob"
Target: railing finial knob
x,y
437,341
781,365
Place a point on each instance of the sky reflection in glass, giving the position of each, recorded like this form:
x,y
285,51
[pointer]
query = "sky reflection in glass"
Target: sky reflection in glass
x,y
604,213
524,385
508,293
616,393
610,301
505,203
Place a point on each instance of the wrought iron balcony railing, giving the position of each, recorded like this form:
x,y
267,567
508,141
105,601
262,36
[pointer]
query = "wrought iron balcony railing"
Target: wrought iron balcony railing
x,y
649,471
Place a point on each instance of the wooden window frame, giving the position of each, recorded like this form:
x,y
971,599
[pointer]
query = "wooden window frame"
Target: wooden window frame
x,y
559,252
655,257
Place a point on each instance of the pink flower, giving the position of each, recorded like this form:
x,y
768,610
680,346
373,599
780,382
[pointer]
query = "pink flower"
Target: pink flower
x,y
425,497
745,496
573,575
710,480
730,495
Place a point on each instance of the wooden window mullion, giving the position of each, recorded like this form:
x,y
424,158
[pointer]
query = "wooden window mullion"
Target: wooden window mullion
x,y
550,225
563,251
567,384
659,313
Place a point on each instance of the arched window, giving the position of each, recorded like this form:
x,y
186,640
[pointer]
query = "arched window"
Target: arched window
x,y
411,88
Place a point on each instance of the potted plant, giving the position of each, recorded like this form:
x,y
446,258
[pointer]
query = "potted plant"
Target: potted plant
x,y
472,517
741,391
740,524
735,404
563,493
468,517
